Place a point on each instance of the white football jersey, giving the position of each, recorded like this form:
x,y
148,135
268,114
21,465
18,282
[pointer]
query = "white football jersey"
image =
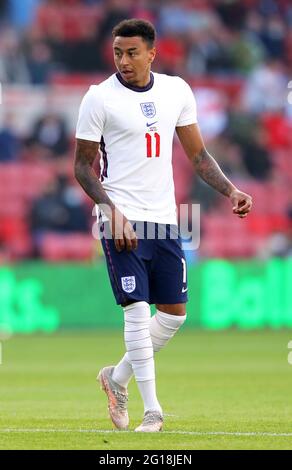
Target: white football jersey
x,y
135,128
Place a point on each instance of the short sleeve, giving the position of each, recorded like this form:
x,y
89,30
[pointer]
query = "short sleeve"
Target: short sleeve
x,y
188,113
91,117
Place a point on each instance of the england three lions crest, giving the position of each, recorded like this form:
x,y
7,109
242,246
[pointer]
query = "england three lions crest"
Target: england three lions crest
x,y
128,284
148,109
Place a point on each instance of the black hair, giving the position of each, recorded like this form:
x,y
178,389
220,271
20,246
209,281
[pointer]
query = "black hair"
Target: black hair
x,y
136,27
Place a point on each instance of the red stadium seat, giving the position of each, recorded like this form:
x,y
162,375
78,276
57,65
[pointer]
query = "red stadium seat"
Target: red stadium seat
x,y
20,247
56,247
69,21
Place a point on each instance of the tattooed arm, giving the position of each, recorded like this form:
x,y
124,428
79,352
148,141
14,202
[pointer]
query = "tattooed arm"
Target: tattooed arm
x,y
85,154
208,169
122,230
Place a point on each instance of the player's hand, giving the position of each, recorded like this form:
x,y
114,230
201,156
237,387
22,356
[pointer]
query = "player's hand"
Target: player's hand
x,y
123,232
242,203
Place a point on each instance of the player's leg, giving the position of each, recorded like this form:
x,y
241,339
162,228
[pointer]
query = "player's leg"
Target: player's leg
x,y
129,279
163,325
140,354
168,291
162,328
139,360
168,288
172,309
123,268
168,284
123,371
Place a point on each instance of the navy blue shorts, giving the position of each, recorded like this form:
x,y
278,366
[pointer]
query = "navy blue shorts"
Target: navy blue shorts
x,y
155,272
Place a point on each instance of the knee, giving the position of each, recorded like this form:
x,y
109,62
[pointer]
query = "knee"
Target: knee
x,y
172,309
163,327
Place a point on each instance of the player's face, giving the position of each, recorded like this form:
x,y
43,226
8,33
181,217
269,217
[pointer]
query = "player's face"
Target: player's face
x,y
133,59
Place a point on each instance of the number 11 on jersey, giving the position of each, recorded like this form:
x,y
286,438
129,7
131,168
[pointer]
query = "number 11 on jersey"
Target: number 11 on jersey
x,y
149,139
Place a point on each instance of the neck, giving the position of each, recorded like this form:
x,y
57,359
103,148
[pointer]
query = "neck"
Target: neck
x,y
144,81
137,86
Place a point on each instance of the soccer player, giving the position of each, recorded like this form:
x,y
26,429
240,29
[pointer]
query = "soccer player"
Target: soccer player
x,y
131,118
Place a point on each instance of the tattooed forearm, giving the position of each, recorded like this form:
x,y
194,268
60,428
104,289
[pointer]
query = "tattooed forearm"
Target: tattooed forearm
x,y
209,170
85,155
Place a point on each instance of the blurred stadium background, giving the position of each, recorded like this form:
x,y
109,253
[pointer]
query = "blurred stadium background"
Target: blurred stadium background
x,y
237,56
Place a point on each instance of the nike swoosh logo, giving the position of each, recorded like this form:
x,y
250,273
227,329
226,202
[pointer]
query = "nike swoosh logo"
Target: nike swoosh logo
x,y
151,124
184,289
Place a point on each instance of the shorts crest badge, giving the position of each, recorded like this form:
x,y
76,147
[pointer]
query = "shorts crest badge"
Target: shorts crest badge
x,y
148,109
128,284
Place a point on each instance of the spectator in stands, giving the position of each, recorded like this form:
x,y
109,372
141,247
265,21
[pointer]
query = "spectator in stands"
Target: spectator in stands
x,y
214,42
211,103
208,52
172,54
256,155
115,11
82,55
13,65
10,145
173,18
229,157
224,36
266,88
232,13
251,135
245,51
40,63
49,137
273,36
59,209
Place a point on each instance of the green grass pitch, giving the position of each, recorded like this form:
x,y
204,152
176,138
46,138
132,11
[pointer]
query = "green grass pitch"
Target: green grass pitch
x,y
219,390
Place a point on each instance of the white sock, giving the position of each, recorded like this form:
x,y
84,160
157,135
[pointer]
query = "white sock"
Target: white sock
x,y
140,352
123,371
162,327
148,393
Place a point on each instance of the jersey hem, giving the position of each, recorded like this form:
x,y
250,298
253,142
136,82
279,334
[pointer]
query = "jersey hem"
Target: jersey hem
x,y
186,123
88,137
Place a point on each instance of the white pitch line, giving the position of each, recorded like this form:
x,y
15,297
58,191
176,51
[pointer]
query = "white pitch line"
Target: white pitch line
x,y
107,431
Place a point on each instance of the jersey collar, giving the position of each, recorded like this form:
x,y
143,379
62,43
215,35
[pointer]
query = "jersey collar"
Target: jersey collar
x,y
136,88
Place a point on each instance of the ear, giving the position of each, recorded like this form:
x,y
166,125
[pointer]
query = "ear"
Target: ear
x,y
152,54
